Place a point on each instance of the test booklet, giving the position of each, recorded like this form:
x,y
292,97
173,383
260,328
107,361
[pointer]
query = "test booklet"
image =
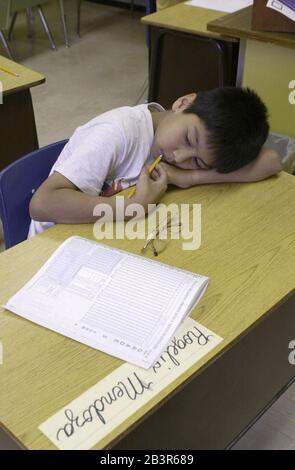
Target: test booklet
x,y
122,304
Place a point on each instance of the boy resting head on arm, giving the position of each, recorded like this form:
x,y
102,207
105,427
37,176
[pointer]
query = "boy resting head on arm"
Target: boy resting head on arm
x,y
211,137
215,136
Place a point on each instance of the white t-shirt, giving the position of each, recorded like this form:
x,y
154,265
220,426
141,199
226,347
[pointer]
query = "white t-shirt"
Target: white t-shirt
x,y
107,154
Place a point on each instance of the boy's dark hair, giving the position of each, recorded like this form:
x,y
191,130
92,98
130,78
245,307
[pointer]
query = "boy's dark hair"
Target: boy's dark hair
x,y
236,121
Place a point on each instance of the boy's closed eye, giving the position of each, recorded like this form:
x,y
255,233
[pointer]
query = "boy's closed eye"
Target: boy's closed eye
x,y
187,140
201,165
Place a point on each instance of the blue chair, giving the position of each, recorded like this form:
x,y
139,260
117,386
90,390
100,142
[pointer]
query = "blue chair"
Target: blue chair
x,y
18,182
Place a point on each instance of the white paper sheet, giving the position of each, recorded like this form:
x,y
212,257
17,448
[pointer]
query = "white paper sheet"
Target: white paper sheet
x,y
228,6
125,305
281,8
98,411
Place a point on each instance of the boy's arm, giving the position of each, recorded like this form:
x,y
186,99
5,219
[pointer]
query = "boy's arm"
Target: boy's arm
x,y
60,201
267,163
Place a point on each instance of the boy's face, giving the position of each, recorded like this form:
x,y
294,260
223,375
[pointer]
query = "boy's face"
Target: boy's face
x,y
182,140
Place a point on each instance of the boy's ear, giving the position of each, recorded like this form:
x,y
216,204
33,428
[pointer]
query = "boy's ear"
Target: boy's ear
x,y
183,102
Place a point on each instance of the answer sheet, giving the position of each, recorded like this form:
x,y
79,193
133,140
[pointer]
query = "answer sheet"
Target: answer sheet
x,y
228,6
123,304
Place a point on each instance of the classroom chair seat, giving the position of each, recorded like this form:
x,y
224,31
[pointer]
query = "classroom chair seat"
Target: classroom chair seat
x,y
18,182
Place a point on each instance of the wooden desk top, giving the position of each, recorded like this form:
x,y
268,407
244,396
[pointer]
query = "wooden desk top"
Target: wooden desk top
x,y
187,19
27,77
238,25
247,250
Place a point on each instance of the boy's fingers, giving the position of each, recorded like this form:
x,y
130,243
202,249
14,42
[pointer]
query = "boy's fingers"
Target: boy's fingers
x,y
162,179
154,174
161,172
144,172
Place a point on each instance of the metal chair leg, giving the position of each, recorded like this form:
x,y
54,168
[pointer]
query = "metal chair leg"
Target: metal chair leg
x,y
5,44
29,13
30,17
9,35
45,26
64,24
78,17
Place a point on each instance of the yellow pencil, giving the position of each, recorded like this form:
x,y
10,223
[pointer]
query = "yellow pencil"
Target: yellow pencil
x,y
151,168
9,71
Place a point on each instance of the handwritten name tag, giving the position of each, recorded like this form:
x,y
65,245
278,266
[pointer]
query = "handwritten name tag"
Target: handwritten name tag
x,y
93,415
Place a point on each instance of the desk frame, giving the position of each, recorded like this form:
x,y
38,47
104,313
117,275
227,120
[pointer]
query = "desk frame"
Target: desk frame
x,y
187,81
17,121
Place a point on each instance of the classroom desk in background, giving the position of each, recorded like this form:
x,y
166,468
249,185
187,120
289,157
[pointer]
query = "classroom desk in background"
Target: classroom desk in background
x,y
266,64
17,120
184,56
247,250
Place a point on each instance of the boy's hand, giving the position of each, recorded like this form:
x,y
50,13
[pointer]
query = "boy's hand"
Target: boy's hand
x,y
176,176
150,189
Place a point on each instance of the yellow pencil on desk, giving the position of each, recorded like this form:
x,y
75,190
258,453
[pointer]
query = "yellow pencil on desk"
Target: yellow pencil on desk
x,y
9,71
151,168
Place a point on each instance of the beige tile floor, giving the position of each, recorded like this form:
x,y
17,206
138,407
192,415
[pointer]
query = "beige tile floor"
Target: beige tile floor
x,y
104,69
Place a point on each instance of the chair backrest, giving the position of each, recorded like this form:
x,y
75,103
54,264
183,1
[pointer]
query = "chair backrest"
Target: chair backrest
x,y
18,182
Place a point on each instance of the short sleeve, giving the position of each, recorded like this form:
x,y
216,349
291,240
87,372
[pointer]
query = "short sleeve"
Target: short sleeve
x,y
90,156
